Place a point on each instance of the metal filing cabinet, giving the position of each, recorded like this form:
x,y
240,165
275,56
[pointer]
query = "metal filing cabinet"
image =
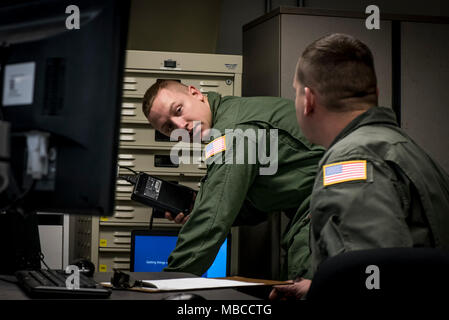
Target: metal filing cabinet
x,y
107,240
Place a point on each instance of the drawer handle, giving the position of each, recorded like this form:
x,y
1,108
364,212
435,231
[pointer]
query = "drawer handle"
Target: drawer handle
x,y
122,234
209,83
128,105
124,189
124,215
126,163
123,156
127,130
124,208
128,112
122,241
127,137
123,182
129,87
121,266
129,80
205,91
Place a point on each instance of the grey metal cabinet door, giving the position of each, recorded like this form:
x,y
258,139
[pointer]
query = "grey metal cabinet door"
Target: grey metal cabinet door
x,y
425,87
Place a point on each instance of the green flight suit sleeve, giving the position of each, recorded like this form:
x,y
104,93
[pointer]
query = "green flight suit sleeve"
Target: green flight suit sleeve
x,y
359,214
296,244
216,207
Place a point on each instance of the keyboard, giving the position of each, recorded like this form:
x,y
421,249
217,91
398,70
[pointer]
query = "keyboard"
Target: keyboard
x,y
44,283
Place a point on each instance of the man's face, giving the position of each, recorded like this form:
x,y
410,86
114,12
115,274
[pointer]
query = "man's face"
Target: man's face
x,y
175,109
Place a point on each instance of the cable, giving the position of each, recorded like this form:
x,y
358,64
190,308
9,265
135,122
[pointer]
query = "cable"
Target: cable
x,y
42,257
130,179
128,168
151,219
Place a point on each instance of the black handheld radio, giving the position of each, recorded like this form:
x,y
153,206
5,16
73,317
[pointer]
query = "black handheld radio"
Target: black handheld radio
x,y
163,195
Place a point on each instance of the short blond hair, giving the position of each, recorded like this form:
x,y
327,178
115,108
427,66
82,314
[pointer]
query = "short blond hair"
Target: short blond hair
x,y
151,93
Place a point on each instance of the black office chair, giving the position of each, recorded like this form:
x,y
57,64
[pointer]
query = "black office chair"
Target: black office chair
x,y
416,273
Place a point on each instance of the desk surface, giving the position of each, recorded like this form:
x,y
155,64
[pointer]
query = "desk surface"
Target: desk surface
x,y
11,291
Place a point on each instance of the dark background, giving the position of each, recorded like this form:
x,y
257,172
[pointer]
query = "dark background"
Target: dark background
x,y
215,26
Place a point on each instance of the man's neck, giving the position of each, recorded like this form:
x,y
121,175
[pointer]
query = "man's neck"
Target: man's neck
x,y
206,101
335,123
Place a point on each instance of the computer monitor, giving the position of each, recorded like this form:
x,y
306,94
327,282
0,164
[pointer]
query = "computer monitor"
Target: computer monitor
x,y
150,251
61,71
61,93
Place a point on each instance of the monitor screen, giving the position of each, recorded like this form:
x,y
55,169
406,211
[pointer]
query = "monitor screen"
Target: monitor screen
x,y
150,252
60,91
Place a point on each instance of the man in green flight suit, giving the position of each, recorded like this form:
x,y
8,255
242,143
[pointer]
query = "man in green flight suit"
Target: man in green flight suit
x,y
375,187
235,192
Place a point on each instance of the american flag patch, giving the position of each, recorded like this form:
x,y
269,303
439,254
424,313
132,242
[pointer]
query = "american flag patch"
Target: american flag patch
x,y
214,147
344,171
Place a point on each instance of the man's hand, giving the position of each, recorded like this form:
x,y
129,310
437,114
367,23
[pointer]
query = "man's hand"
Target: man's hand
x,y
294,291
180,218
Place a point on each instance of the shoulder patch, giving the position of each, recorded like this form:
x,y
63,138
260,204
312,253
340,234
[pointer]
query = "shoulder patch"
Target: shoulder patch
x,y
344,171
216,146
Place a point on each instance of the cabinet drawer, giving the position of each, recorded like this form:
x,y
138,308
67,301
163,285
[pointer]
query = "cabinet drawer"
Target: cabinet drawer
x,y
132,111
159,161
135,84
145,136
107,261
115,237
128,212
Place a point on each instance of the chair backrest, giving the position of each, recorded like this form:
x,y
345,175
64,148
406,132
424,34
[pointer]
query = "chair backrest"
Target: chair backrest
x,y
383,273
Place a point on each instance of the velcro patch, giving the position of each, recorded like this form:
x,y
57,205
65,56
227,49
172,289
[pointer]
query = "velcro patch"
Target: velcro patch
x,y
216,146
344,171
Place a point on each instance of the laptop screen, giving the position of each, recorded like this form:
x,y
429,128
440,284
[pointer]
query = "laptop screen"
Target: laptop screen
x,y
151,249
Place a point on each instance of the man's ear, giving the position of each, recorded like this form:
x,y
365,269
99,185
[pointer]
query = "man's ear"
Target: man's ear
x,y
196,93
309,101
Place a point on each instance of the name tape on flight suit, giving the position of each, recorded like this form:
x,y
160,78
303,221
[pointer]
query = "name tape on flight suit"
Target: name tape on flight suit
x,y
216,146
344,171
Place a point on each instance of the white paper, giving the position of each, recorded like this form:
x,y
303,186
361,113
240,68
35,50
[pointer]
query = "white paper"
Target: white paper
x,y
197,283
193,283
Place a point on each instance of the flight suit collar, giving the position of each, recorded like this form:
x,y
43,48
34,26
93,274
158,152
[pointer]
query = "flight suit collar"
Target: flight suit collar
x,y
374,115
214,100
